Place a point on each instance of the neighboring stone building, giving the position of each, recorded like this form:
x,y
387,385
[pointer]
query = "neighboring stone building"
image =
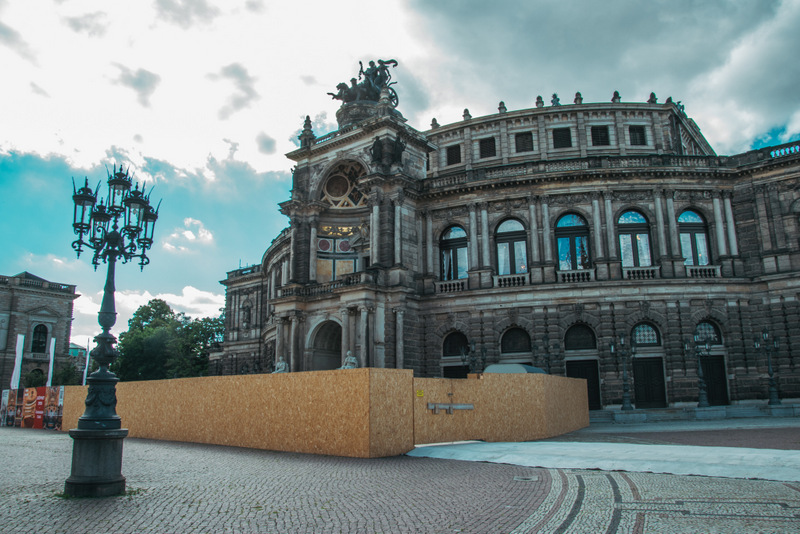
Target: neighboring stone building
x,y
39,310
536,236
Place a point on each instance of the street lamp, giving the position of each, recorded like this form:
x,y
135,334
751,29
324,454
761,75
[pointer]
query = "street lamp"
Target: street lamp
x,y
620,352
471,360
119,227
766,347
700,348
547,347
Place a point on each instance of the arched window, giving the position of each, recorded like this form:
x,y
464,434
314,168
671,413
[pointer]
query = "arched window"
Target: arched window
x,y
39,341
454,344
512,256
453,247
708,331
515,340
694,238
634,240
645,335
580,337
572,239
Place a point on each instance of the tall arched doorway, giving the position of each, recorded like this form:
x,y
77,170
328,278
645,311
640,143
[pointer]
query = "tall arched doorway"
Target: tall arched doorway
x,y
326,349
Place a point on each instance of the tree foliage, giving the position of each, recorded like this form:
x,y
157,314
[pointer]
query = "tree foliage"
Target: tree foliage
x,y
161,343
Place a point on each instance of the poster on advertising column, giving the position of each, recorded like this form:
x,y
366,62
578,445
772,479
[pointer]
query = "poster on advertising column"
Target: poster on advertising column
x,y
29,408
38,414
4,406
54,407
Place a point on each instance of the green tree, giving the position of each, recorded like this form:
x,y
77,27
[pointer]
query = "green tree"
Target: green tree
x,y
67,375
34,378
161,343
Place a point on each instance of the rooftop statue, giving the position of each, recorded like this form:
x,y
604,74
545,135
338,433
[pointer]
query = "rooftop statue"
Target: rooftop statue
x,y
376,78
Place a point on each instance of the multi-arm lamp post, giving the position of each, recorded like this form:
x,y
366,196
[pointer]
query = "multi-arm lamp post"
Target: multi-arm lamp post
x,y
702,347
622,353
119,227
547,347
765,345
472,361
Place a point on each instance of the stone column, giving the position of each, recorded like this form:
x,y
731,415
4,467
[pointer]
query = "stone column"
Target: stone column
x,y
673,225
485,259
292,244
473,239
375,232
399,333
363,355
429,246
398,230
312,255
534,226
731,226
345,332
719,225
548,244
598,232
280,349
285,272
661,231
611,235
293,359
420,263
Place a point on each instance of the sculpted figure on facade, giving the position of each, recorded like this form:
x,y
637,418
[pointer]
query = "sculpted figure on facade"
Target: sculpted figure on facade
x,y
281,366
350,361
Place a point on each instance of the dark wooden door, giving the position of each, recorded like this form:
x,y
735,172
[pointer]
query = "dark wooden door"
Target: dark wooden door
x,y
716,379
588,370
648,383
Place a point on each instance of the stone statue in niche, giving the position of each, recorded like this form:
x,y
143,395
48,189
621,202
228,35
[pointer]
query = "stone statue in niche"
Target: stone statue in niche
x,y
281,366
350,361
377,151
397,150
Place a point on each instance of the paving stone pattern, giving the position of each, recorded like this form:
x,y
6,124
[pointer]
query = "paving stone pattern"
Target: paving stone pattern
x,y
179,487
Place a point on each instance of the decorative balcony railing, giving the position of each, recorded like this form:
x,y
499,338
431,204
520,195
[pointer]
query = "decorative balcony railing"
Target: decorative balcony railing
x,y
326,287
704,271
451,286
579,275
641,273
511,280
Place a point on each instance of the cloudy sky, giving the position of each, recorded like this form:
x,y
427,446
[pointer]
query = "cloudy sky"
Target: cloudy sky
x,y
202,99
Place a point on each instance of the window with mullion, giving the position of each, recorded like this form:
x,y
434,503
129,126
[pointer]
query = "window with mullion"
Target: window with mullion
x,y
634,240
512,252
572,243
694,239
39,341
453,248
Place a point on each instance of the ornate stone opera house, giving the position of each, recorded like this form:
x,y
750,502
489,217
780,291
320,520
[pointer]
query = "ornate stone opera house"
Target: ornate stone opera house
x,y
542,236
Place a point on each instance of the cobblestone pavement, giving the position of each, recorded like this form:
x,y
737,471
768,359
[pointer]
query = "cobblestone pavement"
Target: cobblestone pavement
x,y
179,487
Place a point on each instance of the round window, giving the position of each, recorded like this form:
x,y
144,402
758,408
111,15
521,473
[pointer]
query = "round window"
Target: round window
x,y
337,186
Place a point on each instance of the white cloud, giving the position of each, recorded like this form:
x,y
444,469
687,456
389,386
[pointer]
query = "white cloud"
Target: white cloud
x,y
183,239
194,302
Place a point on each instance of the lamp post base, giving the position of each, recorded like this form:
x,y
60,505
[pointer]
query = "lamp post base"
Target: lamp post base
x,y
96,463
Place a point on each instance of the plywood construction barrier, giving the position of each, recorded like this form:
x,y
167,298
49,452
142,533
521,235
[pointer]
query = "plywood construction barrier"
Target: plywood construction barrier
x,y
364,413
498,407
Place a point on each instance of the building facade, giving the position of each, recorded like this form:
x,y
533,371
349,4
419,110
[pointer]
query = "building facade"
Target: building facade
x,y
40,311
598,240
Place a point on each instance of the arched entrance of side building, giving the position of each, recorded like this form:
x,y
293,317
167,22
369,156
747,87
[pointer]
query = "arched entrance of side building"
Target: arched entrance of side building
x,y
326,347
582,360
649,382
